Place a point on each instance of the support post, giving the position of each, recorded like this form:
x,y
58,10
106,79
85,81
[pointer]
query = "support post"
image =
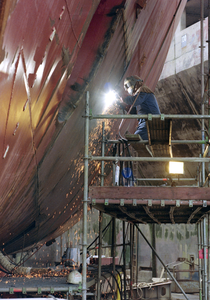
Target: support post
x,y
209,74
102,154
202,261
199,261
131,261
137,256
208,132
154,263
99,256
202,91
166,268
124,260
205,259
208,262
100,220
113,251
85,200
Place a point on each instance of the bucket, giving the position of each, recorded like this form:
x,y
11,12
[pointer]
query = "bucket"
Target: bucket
x,y
72,257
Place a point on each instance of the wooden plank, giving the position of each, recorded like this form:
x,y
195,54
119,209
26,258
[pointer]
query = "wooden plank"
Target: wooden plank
x,y
100,201
173,193
159,135
133,137
141,149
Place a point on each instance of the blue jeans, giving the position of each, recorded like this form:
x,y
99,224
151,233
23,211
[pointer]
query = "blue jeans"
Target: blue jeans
x,y
142,130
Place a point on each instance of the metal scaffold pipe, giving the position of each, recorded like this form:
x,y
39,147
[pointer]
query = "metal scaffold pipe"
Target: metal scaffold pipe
x,y
150,159
85,201
100,220
162,117
202,91
199,261
208,93
165,267
205,259
165,179
208,246
172,142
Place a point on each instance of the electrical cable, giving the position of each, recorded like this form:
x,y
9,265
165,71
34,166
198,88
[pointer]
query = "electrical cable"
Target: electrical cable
x,y
109,284
120,289
122,121
4,271
115,281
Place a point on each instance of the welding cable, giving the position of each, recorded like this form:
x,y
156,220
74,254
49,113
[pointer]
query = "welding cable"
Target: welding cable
x,y
122,121
125,142
109,285
107,271
126,175
131,163
121,162
4,271
120,289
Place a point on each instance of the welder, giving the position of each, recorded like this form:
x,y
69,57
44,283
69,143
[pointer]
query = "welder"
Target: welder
x,y
142,99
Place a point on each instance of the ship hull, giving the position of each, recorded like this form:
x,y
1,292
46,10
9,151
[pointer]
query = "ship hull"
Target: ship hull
x,y
52,53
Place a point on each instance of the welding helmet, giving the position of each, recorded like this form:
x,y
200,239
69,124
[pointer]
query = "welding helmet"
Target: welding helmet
x,y
130,82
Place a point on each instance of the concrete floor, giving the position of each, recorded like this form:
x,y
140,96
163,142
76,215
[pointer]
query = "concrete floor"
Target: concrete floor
x,y
176,296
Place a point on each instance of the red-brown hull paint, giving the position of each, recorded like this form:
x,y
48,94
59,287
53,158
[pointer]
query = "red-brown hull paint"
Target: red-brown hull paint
x,y
48,47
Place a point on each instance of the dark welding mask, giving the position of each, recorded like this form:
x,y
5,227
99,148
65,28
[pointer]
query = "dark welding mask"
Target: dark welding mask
x,y
130,82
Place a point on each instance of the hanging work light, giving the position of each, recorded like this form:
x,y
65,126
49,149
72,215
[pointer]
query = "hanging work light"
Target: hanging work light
x,y
176,167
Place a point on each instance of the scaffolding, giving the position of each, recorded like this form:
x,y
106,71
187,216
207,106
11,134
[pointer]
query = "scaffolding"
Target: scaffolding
x,y
110,199
198,197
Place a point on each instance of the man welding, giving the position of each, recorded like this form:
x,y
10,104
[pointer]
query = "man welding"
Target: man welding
x,y
142,99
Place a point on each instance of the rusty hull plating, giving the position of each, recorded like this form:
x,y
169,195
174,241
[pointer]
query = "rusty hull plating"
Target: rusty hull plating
x,y
52,52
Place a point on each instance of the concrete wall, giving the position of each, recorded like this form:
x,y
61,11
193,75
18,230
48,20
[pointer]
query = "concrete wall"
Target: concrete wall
x,y
184,51
172,242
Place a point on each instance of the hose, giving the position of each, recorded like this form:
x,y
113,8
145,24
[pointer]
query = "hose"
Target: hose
x,y
10,268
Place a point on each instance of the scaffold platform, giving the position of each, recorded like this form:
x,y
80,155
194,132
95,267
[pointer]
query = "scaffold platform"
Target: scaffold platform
x,y
142,204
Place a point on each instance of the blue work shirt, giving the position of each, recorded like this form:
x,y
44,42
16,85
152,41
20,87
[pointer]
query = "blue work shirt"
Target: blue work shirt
x,y
145,104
